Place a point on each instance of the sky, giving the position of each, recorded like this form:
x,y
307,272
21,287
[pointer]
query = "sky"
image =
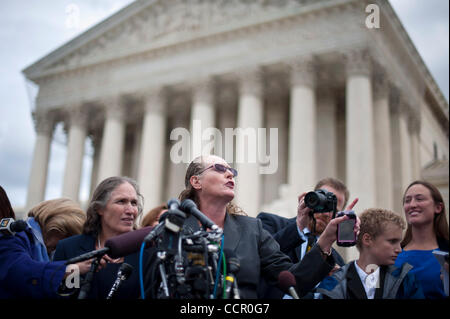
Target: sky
x,y
31,29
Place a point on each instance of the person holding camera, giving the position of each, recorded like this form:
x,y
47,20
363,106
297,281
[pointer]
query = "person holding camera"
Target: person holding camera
x,y
210,183
297,235
373,275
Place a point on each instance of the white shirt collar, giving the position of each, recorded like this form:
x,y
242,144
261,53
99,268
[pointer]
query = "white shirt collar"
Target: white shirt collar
x,y
369,281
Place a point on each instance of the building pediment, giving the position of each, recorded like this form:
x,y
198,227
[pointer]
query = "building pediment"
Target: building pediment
x,y
148,25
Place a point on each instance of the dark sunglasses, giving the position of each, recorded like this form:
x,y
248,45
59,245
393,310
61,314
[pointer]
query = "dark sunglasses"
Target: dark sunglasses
x,y
221,168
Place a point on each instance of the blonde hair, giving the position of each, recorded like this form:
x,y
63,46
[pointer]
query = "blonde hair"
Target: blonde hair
x,y
374,221
195,167
61,215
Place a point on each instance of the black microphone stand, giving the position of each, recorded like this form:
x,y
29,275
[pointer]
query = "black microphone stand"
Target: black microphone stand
x,y
86,287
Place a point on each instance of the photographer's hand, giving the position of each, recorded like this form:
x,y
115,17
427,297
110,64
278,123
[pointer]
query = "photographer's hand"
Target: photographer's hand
x,y
303,213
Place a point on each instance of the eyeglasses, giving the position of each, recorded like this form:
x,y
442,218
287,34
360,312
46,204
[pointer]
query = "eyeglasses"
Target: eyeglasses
x,y
221,168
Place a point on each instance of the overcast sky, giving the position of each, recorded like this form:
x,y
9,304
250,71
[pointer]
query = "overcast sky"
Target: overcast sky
x,y
30,29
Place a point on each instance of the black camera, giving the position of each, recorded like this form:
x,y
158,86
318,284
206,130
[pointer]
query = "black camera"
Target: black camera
x,y
321,201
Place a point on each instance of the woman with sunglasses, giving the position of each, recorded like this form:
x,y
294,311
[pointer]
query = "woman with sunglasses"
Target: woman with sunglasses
x,y
210,183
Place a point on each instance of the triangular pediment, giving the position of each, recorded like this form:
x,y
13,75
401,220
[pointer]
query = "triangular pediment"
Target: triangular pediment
x,y
146,25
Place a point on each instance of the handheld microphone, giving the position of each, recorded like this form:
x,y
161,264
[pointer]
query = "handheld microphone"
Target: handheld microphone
x,y
190,207
233,266
287,282
123,274
127,243
117,246
9,227
88,255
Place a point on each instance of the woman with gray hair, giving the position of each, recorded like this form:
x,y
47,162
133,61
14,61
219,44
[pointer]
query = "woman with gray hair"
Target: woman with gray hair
x,y
112,211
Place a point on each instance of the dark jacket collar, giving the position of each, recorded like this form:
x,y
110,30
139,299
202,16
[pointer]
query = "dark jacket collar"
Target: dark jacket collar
x,y
88,243
355,288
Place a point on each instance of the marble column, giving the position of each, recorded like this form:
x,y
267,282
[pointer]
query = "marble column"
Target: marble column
x,y
360,156
326,146
405,144
414,126
250,118
226,121
202,118
276,116
75,152
96,138
383,143
302,157
176,159
44,125
401,150
153,141
113,140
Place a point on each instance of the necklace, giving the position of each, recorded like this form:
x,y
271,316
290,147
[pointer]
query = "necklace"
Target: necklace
x,y
115,261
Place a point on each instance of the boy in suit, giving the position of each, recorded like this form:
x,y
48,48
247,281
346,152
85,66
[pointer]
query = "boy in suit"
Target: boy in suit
x,y
373,275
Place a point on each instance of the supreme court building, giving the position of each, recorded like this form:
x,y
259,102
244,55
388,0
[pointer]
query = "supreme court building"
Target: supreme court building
x,y
350,97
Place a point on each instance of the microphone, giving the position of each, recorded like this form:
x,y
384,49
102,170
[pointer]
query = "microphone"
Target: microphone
x,y
173,204
123,274
127,243
190,207
9,227
117,246
88,255
233,266
157,230
287,282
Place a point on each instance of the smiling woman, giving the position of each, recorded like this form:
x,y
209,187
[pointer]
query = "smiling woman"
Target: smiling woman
x,y
113,210
427,231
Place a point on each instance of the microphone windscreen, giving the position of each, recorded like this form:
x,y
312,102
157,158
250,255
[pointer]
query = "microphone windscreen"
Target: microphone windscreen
x,y
127,243
19,225
286,280
188,204
173,203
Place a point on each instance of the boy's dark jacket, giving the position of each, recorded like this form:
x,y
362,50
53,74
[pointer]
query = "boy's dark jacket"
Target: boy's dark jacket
x,y
395,283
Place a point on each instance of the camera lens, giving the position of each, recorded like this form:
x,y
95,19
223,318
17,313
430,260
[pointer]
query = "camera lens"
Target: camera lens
x,y
312,200
320,201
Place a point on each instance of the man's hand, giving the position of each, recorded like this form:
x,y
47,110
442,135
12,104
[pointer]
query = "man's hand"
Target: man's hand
x,y
329,236
303,213
350,207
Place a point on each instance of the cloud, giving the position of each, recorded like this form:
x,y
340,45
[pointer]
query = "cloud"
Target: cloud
x,y
30,30
427,24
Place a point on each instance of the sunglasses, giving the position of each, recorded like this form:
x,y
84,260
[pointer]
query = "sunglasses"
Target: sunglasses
x,y
221,168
